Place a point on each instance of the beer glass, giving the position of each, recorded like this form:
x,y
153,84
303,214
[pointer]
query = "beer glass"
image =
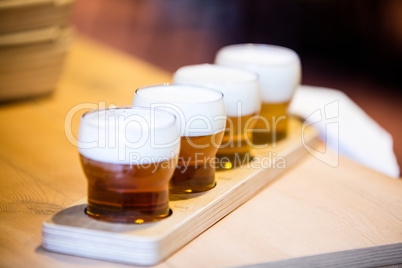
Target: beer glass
x,y
279,74
242,101
128,156
201,116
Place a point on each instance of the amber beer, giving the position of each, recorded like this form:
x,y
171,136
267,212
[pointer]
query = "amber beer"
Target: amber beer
x,y
272,124
242,102
195,170
128,156
279,74
128,193
235,148
201,117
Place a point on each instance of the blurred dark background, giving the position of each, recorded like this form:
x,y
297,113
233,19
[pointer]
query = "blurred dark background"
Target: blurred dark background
x,y
351,45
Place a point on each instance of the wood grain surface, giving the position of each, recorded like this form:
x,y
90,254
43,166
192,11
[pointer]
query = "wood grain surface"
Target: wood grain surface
x,y
72,232
313,209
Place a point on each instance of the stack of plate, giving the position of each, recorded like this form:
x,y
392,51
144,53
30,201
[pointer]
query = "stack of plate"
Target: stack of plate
x,y
34,38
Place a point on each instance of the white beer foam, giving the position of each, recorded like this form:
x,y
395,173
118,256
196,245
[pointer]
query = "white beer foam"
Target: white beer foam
x,y
240,87
200,111
278,68
128,136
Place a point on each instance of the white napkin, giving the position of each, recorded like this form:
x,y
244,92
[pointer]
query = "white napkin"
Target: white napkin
x,y
346,128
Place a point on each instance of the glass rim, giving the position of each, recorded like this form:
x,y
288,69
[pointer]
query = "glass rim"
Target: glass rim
x,y
136,93
128,107
259,47
256,76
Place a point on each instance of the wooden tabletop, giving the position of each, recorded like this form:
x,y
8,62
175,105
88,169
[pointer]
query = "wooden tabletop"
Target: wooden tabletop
x,y
315,214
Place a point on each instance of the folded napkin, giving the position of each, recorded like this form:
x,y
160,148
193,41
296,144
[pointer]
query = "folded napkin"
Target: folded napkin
x,y
345,128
